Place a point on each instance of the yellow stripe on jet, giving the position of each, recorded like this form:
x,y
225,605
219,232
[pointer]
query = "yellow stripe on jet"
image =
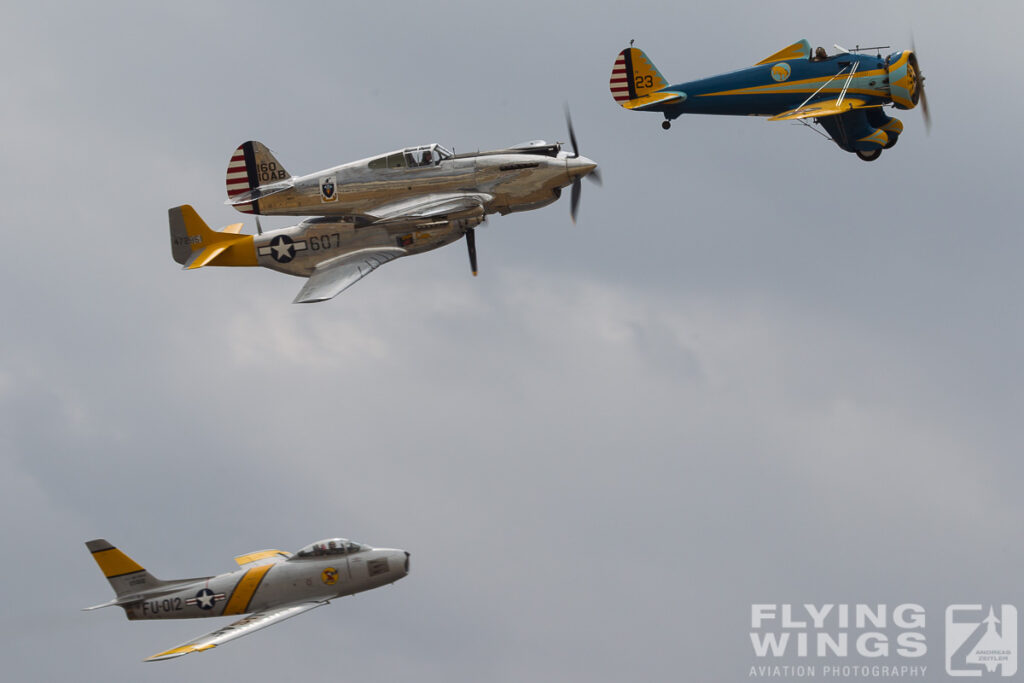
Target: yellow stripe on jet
x,y
113,563
246,587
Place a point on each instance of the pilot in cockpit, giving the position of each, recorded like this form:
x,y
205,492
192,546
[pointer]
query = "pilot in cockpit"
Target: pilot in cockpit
x,y
819,54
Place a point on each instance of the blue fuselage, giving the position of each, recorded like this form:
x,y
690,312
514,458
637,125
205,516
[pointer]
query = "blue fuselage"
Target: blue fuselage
x,y
770,89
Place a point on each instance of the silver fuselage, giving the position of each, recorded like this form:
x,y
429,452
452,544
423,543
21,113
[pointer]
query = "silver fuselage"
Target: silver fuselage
x,y
263,586
517,182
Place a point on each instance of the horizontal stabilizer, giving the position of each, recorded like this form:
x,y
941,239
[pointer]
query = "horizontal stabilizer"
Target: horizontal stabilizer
x,y
649,101
248,197
822,108
202,258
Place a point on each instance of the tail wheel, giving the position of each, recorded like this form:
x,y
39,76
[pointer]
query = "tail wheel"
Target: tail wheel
x,y
869,156
666,124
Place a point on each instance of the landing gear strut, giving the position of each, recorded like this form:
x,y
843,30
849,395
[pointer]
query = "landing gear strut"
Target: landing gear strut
x,y
666,124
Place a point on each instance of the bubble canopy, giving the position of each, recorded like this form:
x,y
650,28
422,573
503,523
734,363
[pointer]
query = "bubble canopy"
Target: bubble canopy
x,y
331,546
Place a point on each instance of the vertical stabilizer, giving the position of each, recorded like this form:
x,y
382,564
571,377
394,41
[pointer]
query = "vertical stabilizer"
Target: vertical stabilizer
x,y
251,166
634,75
194,244
126,576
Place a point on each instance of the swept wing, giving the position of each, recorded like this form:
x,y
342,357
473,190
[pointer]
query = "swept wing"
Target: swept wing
x,y
333,276
242,627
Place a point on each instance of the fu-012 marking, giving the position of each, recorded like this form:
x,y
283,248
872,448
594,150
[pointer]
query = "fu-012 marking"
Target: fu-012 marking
x,y
165,605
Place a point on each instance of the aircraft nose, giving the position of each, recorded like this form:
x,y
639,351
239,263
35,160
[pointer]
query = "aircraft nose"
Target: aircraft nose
x,y
579,166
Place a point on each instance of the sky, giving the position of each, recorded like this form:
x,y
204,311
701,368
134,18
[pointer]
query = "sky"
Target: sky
x,y
757,370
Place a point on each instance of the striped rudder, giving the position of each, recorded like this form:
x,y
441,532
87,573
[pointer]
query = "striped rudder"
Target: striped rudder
x,y
251,166
633,76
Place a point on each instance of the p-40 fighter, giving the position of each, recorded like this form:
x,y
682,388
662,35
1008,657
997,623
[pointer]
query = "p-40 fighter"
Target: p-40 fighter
x,y
270,586
375,210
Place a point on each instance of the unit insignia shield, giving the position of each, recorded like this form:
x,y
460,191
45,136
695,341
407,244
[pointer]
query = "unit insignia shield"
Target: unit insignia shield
x,y
328,191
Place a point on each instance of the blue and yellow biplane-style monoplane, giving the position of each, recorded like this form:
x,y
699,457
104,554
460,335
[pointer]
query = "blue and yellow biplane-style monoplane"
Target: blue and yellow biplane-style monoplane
x,y
845,92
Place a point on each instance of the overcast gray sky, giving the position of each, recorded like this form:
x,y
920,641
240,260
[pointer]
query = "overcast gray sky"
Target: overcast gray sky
x,y
757,369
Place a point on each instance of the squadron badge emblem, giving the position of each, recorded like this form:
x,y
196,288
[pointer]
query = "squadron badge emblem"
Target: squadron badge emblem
x,y
781,71
329,576
328,190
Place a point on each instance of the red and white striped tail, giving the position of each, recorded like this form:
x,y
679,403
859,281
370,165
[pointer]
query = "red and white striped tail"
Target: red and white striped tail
x,y
252,166
619,83
238,178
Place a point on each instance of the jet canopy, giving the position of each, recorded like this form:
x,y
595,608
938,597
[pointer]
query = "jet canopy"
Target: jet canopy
x,y
412,157
331,546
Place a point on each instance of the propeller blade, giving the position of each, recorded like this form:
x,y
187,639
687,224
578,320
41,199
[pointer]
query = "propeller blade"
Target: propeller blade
x,y
572,133
595,177
574,199
924,110
923,101
471,245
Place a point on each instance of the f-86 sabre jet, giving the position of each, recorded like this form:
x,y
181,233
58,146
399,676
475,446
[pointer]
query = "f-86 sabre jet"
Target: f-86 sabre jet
x,y
269,586
369,212
843,92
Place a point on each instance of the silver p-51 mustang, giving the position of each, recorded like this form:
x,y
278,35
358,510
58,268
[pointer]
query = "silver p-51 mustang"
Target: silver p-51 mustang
x,y
375,210
270,586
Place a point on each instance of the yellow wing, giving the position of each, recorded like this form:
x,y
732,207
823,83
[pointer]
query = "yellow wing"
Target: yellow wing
x,y
821,108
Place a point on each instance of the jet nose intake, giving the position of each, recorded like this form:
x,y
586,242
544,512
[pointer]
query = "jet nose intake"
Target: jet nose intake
x,y
407,556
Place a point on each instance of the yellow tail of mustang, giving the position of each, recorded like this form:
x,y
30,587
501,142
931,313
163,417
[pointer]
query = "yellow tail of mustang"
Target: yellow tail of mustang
x,y
194,244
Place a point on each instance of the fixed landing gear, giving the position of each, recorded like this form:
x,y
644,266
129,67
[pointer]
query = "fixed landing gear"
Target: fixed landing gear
x,y
869,156
666,124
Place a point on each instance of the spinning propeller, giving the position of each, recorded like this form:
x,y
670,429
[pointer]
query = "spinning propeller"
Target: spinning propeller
x,y
471,245
920,86
591,172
